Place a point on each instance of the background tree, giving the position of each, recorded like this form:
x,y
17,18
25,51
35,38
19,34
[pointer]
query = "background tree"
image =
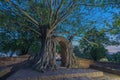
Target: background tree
x,y
114,57
94,47
16,43
14,38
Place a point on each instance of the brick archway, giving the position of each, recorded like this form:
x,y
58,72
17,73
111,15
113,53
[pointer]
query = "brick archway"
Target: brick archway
x,y
63,43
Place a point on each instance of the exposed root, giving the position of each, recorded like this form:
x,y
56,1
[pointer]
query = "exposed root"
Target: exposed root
x,y
71,59
48,60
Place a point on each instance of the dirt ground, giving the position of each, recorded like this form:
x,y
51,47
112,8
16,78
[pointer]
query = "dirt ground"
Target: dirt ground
x,y
106,76
29,73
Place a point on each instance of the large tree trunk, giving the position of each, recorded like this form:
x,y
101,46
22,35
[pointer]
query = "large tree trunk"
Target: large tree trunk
x,y
47,56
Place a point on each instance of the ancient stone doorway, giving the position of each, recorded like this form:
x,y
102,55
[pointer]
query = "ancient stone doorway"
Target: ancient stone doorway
x,y
63,46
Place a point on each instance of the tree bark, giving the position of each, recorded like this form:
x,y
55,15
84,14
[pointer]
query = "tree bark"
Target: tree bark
x,y
46,59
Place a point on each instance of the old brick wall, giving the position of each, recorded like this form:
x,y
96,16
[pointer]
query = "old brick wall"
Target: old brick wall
x,y
105,69
4,61
83,63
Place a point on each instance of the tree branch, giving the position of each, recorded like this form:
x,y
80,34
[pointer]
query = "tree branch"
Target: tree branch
x,y
47,4
33,30
26,14
93,43
57,11
51,12
29,28
62,18
56,22
26,19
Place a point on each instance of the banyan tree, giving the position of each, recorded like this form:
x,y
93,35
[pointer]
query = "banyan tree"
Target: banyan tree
x,y
43,17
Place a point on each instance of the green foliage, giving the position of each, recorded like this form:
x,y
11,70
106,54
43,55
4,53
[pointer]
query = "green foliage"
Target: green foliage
x,y
16,22
58,47
18,43
78,52
15,33
115,29
97,53
114,57
92,44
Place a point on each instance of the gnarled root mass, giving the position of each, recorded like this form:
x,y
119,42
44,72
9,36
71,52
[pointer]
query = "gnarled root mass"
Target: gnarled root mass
x,y
48,58
70,57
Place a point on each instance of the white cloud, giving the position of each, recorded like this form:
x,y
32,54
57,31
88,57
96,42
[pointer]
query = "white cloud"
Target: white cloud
x,y
113,49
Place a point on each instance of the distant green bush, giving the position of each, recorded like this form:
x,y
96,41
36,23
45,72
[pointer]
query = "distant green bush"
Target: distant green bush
x,y
114,58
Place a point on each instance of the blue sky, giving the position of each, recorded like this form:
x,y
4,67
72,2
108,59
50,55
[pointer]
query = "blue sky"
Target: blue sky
x,y
98,15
